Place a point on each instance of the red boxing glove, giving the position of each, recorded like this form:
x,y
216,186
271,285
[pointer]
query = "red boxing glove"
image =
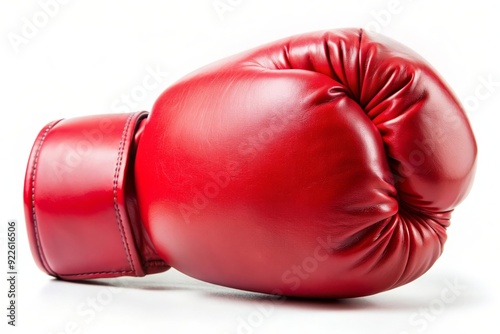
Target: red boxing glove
x,y
321,165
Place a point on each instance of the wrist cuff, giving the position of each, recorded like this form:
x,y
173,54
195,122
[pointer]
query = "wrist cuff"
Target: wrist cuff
x,y
79,199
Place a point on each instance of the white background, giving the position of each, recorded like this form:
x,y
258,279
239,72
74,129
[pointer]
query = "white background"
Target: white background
x,y
89,54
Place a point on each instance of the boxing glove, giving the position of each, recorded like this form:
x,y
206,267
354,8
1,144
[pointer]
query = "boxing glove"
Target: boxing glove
x,y
322,165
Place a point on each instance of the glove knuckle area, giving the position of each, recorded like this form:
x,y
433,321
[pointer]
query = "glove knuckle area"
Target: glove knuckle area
x,y
429,143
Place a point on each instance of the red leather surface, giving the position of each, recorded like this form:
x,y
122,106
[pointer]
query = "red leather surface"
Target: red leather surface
x,y
80,202
321,165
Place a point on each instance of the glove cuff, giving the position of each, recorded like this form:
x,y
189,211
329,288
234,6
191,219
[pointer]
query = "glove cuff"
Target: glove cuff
x,y
79,200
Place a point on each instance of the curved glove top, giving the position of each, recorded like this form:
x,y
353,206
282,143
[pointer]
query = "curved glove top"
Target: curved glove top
x,y
321,165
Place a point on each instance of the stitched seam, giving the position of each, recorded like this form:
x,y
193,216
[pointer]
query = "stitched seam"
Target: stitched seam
x,y
115,193
360,68
151,263
156,263
101,273
33,211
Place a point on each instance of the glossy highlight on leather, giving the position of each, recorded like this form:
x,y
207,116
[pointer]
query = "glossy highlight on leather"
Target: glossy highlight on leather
x,y
321,165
